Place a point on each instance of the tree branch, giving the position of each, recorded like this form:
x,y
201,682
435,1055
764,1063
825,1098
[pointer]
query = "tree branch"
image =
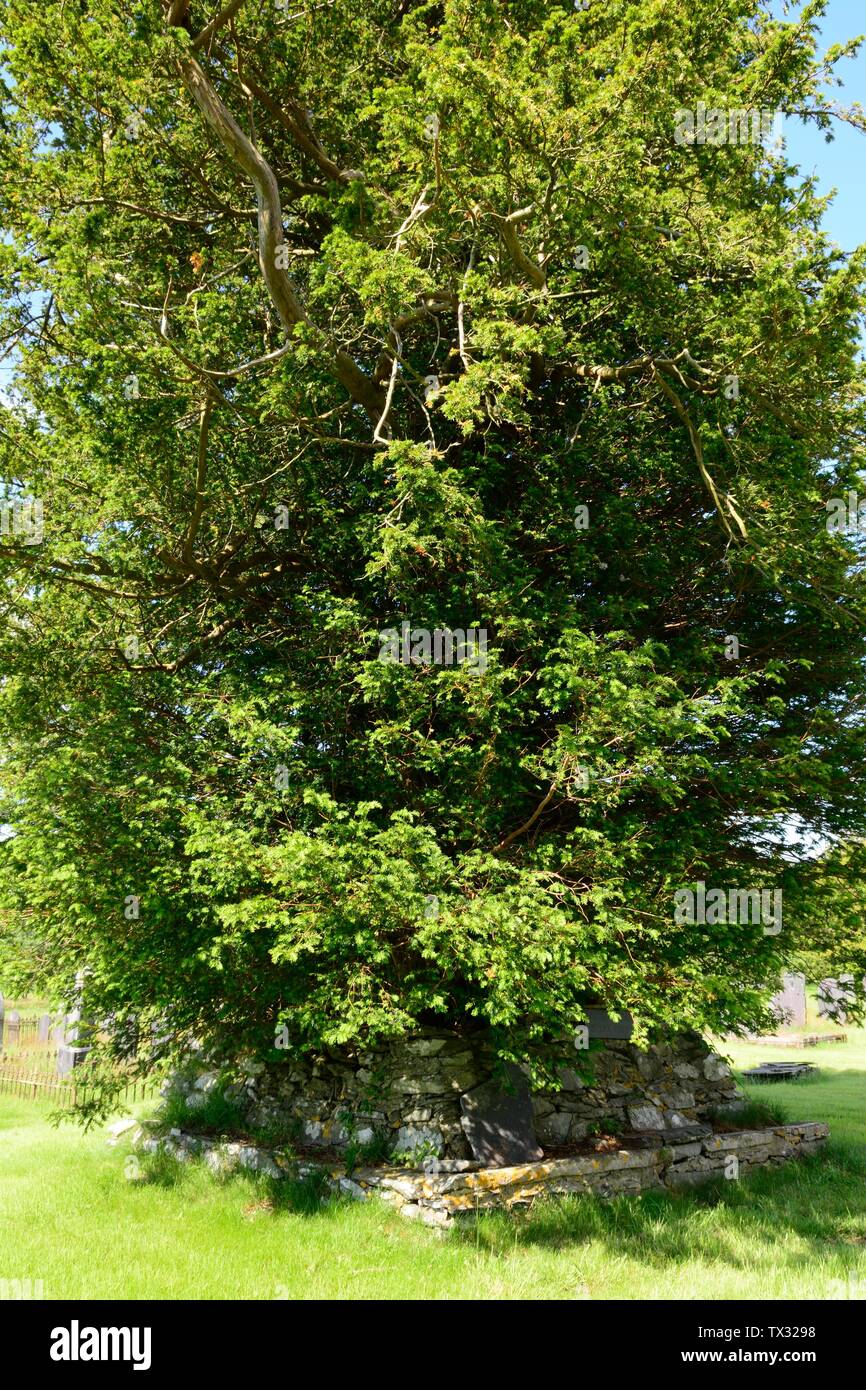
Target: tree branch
x,y
698,450
527,824
294,124
282,291
508,231
216,23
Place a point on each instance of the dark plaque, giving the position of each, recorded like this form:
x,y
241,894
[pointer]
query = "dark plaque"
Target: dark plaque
x,y
601,1025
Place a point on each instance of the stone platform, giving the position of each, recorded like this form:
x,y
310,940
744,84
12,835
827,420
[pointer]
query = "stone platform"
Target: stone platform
x,y
452,1189
780,1071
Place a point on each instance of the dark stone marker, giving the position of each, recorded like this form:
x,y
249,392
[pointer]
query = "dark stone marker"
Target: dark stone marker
x,y
499,1124
601,1025
789,1005
68,1058
834,997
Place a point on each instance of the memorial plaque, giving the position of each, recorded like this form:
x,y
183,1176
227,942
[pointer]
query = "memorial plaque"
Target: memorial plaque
x,y
499,1123
601,1025
789,1004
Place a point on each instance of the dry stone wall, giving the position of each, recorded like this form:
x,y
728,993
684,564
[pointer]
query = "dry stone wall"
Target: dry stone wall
x,y
408,1093
450,1189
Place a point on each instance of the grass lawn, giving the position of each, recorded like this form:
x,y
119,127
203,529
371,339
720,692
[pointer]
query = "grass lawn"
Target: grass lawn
x,y
28,1006
70,1217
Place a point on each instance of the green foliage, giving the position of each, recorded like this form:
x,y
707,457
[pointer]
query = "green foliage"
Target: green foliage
x,y
242,819
753,1113
217,1114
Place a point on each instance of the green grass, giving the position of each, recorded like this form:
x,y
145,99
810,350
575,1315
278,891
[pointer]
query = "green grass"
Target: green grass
x,y
28,1006
70,1217
837,1093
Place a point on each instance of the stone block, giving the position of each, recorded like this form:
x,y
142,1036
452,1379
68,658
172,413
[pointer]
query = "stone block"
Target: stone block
x,y
425,1047
645,1117
410,1137
571,1081
715,1068
554,1128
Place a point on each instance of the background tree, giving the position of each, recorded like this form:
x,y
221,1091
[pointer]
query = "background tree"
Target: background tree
x,y
326,318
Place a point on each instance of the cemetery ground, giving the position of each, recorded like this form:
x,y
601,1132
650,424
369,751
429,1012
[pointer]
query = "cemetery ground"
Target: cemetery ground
x,y
71,1218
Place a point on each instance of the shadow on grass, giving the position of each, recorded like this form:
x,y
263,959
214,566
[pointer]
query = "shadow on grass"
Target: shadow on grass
x,y
307,1196
818,1200
802,1214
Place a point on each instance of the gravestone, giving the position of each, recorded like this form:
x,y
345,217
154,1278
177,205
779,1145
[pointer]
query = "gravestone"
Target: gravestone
x,y
834,998
602,1026
13,1028
73,1050
43,1028
499,1123
789,1003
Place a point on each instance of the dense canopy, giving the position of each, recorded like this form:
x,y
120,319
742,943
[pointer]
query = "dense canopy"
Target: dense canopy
x,y
323,318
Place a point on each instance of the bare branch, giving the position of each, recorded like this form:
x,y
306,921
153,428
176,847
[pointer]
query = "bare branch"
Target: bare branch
x,y
282,291
508,231
201,474
298,127
527,824
216,23
698,450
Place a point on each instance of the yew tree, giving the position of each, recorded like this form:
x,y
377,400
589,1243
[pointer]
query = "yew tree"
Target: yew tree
x,y
323,318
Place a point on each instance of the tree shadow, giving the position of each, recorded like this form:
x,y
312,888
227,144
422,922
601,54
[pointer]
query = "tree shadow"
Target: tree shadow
x,y
812,1199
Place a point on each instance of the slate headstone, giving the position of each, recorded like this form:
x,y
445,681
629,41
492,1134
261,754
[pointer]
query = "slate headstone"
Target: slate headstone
x,y
43,1028
13,1028
789,1003
499,1123
834,998
601,1025
68,1058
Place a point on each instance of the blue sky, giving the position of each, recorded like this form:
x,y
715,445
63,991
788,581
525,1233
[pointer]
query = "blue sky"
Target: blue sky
x,y
842,163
